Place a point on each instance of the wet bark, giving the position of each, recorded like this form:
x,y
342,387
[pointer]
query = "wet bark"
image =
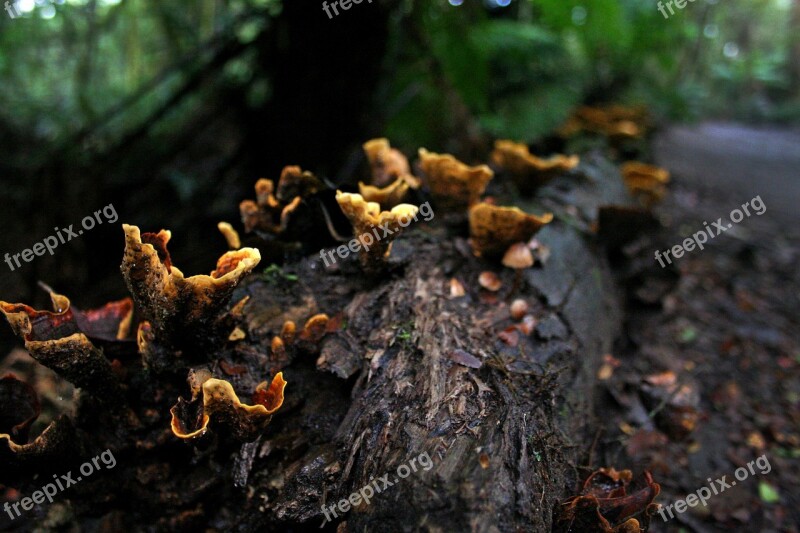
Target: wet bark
x,y
503,438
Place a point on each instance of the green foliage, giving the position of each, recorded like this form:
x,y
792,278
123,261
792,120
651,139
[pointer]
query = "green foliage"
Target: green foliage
x,y
274,274
456,76
517,72
73,62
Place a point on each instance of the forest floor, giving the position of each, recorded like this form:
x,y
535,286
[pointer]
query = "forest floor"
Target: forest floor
x,y
727,334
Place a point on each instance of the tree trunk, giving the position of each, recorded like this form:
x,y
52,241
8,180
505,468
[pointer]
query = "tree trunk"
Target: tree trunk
x,y
455,416
500,436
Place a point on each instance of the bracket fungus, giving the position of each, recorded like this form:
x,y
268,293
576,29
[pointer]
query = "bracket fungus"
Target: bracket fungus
x,y
453,184
60,340
494,229
614,121
230,234
64,341
271,211
388,164
389,196
369,221
19,408
648,183
527,170
171,303
604,505
221,407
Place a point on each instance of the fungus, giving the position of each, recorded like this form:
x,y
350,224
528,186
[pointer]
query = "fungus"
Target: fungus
x,y
48,450
60,340
388,164
453,184
648,183
278,348
288,332
528,324
518,309
614,121
518,257
493,229
489,281
604,504
296,183
389,196
315,328
527,170
369,221
272,210
172,303
230,234
456,288
221,408
111,322
19,408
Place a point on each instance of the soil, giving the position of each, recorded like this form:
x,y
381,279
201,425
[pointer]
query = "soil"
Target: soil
x,y
729,332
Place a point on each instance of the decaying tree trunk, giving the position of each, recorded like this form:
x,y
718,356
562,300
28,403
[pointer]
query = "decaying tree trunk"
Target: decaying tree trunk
x,y
503,438
422,387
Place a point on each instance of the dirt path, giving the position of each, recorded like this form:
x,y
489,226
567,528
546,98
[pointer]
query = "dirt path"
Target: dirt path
x,y
727,332
752,161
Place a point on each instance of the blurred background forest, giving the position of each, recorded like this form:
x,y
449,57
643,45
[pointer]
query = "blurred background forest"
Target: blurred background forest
x,y
172,110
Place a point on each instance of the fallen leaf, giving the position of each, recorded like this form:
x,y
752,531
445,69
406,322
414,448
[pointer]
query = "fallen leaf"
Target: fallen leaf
x,y
465,358
768,493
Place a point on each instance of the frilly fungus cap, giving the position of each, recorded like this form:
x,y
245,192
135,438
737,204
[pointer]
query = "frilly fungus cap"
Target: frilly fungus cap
x,y
528,170
221,407
273,209
230,234
168,300
59,340
389,196
368,220
452,183
613,121
605,503
494,229
388,164
19,408
648,183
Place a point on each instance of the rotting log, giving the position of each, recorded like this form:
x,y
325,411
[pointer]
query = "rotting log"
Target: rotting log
x,y
405,368
504,437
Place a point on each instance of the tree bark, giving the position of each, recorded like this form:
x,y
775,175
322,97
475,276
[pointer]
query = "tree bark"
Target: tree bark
x,y
457,416
502,437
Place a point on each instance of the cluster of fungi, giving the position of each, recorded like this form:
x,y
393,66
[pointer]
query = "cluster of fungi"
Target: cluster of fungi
x,y
165,340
